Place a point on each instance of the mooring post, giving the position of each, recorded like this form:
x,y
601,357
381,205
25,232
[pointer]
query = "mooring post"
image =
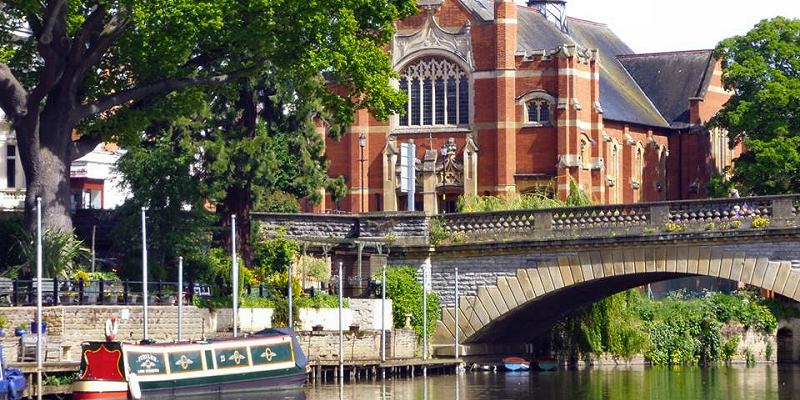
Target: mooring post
x,y
456,314
180,298
144,273
341,330
235,277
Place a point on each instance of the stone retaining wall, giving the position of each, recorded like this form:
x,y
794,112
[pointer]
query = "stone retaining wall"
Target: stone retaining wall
x,y
73,325
360,345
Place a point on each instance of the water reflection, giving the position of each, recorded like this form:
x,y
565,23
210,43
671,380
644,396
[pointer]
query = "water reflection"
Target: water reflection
x,y
768,382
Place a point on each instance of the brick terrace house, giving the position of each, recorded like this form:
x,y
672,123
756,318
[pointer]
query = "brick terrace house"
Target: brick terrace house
x,y
504,97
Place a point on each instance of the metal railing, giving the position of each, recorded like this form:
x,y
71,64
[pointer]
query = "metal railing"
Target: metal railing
x,y
55,291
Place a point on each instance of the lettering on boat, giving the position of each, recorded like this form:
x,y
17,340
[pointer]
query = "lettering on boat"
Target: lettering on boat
x,y
146,363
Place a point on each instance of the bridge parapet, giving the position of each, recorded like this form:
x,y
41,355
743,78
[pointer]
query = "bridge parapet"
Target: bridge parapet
x,y
416,229
617,220
405,228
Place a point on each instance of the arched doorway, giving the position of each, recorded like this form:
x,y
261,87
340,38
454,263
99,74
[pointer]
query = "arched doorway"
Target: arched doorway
x,y
785,346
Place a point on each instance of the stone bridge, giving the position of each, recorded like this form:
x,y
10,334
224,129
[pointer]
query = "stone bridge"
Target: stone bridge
x,y
520,271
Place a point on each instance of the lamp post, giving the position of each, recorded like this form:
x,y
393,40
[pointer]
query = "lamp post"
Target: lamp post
x,y
362,142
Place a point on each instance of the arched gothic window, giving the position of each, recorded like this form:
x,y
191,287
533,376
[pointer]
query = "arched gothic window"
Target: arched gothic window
x,y
438,94
538,108
539,111
614,175
638,166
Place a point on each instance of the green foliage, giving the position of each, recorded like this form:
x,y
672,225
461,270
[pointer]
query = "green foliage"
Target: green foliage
x,y
278,282
313,268
279,202
729,348
11,229
60,378
322,300
4,322
274,254
158,174
720,185
219,273
406,291
768,351
760,67
438,233
676,330
62,254
508,202
280,312
532,201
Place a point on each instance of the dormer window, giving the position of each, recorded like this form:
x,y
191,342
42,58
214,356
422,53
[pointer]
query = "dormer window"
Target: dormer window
x,y
538,108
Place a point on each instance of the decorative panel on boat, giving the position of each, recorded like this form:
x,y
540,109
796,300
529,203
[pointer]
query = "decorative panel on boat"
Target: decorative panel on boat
x,y
232,357
146,363
271,354
185,361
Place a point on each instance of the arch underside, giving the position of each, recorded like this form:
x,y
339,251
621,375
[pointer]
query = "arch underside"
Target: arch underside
x,y
519,308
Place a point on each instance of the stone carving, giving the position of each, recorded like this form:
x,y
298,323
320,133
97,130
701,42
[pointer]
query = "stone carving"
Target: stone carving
x,y
433,37
583,55
449,172
568,161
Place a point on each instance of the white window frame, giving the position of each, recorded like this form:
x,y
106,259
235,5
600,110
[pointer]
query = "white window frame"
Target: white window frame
x,y
536,97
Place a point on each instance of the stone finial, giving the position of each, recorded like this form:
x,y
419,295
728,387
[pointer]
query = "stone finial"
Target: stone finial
x,y
430,6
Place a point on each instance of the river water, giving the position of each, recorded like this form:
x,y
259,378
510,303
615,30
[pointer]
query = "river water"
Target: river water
x,y
763,382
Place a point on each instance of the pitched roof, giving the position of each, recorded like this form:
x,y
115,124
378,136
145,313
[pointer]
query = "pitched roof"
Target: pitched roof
x,y
637,89
670,79
484,9
620,96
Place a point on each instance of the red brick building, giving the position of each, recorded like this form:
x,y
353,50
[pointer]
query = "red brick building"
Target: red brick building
x,y
507,98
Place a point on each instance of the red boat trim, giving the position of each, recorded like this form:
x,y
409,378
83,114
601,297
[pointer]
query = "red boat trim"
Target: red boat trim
x,y
103,353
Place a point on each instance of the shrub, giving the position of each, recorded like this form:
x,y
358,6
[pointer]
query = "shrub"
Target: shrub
x,y
62,253
405,291
274,254
219,272
316,268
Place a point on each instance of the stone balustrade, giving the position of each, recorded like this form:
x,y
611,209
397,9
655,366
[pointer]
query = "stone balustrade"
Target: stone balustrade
x,y
414,229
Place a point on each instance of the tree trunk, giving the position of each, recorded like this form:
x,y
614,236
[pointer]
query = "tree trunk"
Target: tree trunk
x,y
237,202
45,152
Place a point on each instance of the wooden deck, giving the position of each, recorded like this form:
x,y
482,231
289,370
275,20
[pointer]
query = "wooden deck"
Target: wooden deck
x,y
328,370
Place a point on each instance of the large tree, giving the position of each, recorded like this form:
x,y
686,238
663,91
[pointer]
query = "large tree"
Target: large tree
x,y
82,64
762,68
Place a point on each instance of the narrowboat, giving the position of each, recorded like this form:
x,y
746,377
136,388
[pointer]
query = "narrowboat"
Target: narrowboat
x,y
270,360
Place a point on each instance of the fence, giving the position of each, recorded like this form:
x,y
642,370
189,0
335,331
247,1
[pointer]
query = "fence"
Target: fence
x,y
55,291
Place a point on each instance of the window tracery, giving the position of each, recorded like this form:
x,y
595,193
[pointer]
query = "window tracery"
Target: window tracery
x,y
438,94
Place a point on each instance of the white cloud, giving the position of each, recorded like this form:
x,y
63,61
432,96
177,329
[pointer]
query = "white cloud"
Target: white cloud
x,y
667,25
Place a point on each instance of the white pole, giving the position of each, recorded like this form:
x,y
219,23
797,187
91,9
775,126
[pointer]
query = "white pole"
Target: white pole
x,y
235,272
383,315
144,272
341,330
425,317
291,324
39,297
456,313
180,298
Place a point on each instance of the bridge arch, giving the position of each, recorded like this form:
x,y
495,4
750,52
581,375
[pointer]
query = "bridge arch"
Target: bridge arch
x,y
517,308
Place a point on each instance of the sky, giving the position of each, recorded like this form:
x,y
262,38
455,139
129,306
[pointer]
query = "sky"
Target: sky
x,y
669,25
